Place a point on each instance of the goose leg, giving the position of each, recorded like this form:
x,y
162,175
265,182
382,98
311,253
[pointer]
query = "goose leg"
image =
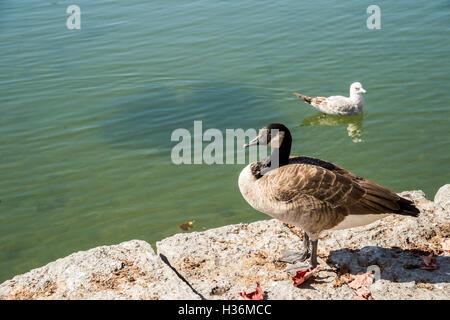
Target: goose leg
x,y
293,257
314,253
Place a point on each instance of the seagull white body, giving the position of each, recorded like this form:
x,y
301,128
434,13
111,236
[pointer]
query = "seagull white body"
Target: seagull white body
x,y
339,105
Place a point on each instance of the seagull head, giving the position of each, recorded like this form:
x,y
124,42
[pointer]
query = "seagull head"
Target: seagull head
x,y
356,88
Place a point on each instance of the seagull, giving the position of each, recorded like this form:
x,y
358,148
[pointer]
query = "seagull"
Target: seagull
x,y
339,105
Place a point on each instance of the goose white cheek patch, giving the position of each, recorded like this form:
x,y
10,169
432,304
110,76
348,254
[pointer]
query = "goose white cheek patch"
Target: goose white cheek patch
x,y
278,140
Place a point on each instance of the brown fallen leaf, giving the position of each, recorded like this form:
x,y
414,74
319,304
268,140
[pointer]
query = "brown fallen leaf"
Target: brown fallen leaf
x,y
360,284
187,225
258,294
303,275
430,262
445,245
361,280
422,285
341,279
363,294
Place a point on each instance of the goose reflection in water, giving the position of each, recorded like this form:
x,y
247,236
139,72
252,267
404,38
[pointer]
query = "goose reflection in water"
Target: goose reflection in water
x,y
354,123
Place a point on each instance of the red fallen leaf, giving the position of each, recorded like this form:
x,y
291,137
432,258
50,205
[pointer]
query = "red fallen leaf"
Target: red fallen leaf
x,y
303,275
363,294
445,245
361,280
360,284
255,295
430,262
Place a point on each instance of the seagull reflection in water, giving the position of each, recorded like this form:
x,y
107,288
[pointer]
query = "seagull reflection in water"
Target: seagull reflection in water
x,y
354,123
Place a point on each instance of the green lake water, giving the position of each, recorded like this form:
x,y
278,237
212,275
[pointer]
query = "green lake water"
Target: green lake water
x,y
86,115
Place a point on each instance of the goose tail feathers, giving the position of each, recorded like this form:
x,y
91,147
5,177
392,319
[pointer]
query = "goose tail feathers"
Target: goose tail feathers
x,y
407,208
380,199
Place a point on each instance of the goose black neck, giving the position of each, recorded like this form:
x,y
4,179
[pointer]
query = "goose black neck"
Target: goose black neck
x,y
281,155
278,158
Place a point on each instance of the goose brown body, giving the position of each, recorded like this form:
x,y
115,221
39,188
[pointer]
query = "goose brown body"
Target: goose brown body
x,y
311,193
317,195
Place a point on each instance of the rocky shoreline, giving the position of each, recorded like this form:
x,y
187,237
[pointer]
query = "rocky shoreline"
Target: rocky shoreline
x,y
218,263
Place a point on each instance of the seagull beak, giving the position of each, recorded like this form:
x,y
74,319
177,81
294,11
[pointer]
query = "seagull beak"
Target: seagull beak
x,y
253,142
362,90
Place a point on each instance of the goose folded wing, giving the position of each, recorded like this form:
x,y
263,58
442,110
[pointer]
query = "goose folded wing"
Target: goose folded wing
x,y
324,164
326,187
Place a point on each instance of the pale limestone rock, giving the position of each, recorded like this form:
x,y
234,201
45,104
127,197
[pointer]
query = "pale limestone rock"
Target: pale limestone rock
x,y
130,270
221,262
442,197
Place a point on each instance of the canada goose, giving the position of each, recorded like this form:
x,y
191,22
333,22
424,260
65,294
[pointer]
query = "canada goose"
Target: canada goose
x,y
313,194
339,105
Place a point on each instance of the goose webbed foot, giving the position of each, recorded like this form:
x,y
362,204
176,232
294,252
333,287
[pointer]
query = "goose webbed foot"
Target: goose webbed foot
x,y
305,265
299,258
293,257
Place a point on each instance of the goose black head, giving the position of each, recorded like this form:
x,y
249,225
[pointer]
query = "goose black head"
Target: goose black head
x,y
278,137
275,135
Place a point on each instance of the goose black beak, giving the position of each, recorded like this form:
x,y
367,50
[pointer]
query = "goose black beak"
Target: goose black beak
x,y
253,142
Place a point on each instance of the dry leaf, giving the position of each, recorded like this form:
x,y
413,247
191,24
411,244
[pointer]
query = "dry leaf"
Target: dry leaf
x,y
361,280
363,294
360,284
187,225
303,275
445,245
430,262
258,294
